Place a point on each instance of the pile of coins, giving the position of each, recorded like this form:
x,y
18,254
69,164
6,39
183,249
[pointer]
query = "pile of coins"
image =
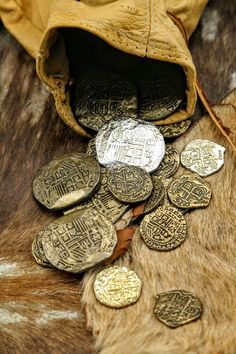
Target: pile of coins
x,y
126,164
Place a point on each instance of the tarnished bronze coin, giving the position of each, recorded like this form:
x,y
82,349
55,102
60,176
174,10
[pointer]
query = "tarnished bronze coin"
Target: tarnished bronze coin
x,y
91,148
157,196
164,229
129,184
170,164
203,156
161,89
174,130
117,287
66,180
177,307
38,252
189,191
101,95
78,241
131,142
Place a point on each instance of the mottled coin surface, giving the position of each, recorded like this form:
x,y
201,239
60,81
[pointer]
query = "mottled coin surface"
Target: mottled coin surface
x,y
129,184
78,241
101,95
164,229
38,252
177,307
117,287
203,156
66,180
189,191
91,148
174,130
161,89
170,163
131,142
157,196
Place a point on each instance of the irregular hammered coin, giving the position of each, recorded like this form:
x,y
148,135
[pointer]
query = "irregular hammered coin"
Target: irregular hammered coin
x,y
170,164
164,229
102,95
38,252
66,180
78,241
157,196
91,148
129,184
189,191
131,142
117,287
174,130
203,156
177,307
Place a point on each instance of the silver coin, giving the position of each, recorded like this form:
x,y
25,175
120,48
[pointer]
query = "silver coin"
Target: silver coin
x,y
91,148
132,142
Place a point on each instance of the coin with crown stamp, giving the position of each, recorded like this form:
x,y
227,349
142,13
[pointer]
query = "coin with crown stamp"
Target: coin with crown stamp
x,y
202,156
129,184
164,229
177,307
157,196
101,95
66,180
131,142
174,130
117,287
79,240
170,163
189,191
38,252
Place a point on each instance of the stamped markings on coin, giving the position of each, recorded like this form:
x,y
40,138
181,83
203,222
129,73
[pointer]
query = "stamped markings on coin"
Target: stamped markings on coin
x,y
203,157
164,229
117,287
177,307
91,148
174,130
129,184
131,142
66,180
189,191
76,242
38,252
102,95
157,196
169,164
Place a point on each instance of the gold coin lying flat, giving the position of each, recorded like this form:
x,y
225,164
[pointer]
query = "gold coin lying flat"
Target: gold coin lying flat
x,y
164,229
177,307
117,287
203,156
174,130
78,241
157,196
189,191
129,184
38,252
169,164
91,149
103,95
66,180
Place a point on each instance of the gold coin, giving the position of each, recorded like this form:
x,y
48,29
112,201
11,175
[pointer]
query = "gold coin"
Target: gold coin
x,y
164,229
203,156
103,201
157,196
174,130
91,149
189,191
129,184
169,164
117,287
177,307
66,180
102,95
38,252
78,241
